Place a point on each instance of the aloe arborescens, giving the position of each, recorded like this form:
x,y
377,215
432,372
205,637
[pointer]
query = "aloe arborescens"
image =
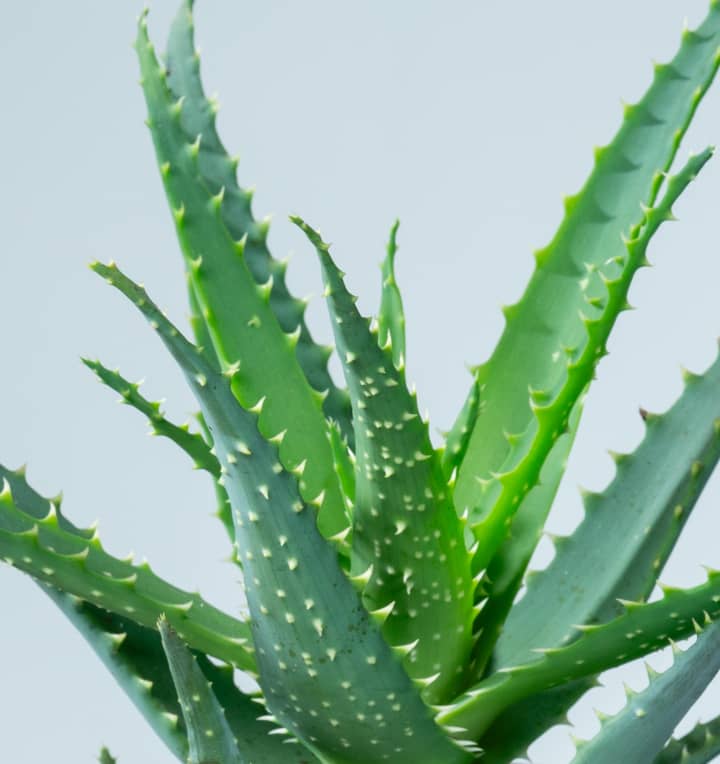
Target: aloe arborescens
x,y
382,573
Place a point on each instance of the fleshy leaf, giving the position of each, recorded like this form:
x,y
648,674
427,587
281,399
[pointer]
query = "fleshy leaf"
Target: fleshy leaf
x,y
639,731
217,170
628,530
204,343
344,464
191,443
641,629
506,571
79,565
210,738
700,746
617,551
244,330
318,650
458,438
133,655
391,317
552,408
545,325
404,521
105,757
131,652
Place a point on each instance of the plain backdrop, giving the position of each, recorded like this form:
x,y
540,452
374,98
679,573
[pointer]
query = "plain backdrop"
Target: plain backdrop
x,y
468,120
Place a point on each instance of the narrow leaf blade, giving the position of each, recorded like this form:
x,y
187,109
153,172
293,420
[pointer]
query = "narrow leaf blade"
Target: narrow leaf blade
x,y
642,629
700,746
191,443
217,170
243,328
551,408
628,530
209,735
639,731
391,317
78,564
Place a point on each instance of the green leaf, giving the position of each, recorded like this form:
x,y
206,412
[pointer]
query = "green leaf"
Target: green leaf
x,y
457,439
78,564
391,317
319,652
404,521
105,757
521,724
552,407
700,746
210,738
344,465
641,629
613,553
134,657
639,731
204,343
194,445
191,443
506,571
217,170
244,330
131,652
544,326
628,530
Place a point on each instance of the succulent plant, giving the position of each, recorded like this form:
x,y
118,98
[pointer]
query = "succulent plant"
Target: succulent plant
x,y
383,574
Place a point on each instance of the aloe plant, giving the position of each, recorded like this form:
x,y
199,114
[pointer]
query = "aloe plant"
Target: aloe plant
x,y
382,572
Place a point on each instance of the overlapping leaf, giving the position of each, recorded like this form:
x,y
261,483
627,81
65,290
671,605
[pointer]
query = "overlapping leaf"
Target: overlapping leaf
x,y
244,330
404,522
544,335
52,550
326,672
639,731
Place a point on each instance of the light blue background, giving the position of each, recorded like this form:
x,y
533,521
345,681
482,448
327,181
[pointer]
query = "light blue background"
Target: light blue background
x,y
469,120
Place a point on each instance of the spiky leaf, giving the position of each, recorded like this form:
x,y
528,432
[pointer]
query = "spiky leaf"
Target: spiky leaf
x,y
639,731
391,316
641,629
543,332
78,564
551,408
191,443
217,170
700,746
210,738
458,438
506,571
617,551
326,672
236,310
404,522
628,530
